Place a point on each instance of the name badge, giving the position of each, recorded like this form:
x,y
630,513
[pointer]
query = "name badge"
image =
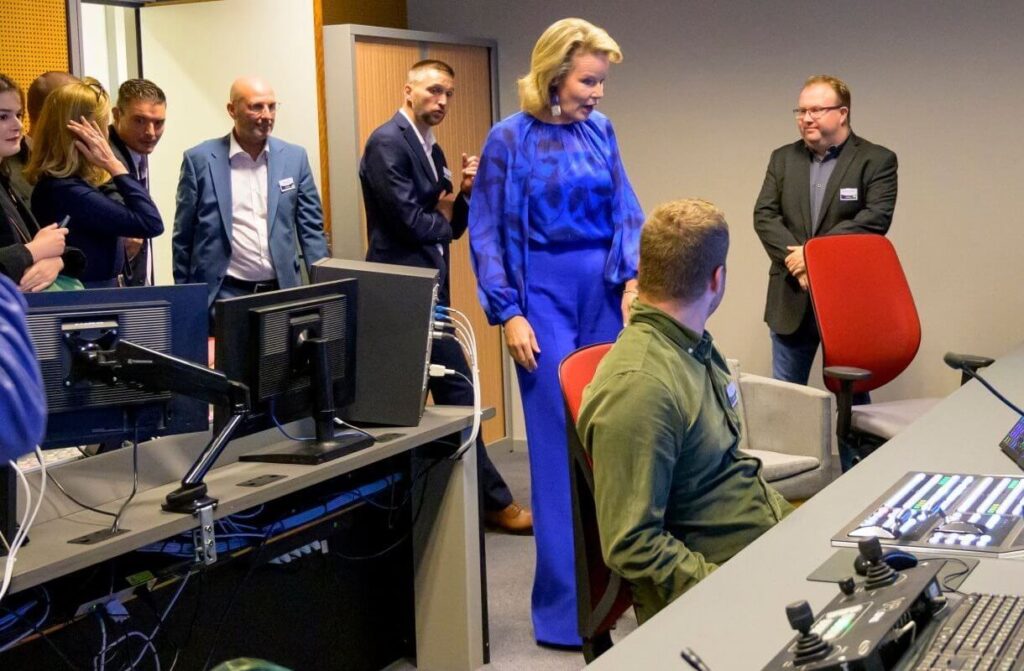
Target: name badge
x,y
447,173
733,394
847,194
286,184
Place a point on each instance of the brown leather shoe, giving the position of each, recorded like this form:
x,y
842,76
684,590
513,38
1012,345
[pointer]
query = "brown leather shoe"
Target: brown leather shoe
x,y
512,519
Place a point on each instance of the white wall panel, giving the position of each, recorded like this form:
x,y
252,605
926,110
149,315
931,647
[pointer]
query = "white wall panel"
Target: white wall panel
x,y
704,94
194,52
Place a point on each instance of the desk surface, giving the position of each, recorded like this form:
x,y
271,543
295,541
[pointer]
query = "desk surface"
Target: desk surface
x,y
105,480
735,619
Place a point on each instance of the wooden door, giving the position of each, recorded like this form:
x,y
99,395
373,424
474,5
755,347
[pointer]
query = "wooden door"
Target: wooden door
x,y
380,71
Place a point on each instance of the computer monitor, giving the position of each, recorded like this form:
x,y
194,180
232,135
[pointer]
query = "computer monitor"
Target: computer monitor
x,y
296,350
1013,444
85,410
117,364
395,318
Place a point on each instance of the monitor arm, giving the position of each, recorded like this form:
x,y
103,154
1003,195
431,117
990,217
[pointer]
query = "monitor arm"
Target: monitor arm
x,y
105,360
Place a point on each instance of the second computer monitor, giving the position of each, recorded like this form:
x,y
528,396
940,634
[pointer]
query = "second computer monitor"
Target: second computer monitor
x,y
296,350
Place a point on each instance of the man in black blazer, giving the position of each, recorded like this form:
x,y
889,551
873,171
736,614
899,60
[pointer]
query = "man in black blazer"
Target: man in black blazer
x,y
412,214
139,119
830,182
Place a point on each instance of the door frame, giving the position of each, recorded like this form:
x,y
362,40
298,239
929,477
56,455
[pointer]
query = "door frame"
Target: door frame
x,y
344,147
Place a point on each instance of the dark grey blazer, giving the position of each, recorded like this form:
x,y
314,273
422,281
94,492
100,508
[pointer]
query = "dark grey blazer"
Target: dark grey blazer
x,y
782,213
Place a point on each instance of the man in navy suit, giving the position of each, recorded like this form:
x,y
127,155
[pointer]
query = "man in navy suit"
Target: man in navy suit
x,y
245,201
412,214
139,120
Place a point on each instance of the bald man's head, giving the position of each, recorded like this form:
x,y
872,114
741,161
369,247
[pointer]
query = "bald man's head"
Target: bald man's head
x,y
43,85
253,107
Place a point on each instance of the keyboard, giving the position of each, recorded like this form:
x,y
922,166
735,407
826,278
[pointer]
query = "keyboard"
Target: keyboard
x,y
984,633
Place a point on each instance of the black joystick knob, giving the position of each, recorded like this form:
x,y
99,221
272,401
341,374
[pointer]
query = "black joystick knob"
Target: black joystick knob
x,y
847,586
809,646
879,574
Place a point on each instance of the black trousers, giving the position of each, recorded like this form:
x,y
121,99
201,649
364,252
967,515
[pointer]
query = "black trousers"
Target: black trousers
x,y
453,390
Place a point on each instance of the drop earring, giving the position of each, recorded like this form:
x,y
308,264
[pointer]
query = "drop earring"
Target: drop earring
x,y
556,109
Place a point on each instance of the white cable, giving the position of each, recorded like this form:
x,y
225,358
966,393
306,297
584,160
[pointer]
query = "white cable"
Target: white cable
x,y
466,337
26,521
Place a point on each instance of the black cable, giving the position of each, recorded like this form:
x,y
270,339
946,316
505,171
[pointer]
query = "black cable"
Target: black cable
x,y
115,527
992,389
254,562
76,501
957,574
35,628
405,536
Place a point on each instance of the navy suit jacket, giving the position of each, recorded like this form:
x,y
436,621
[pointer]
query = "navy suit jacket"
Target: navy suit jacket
x,y
860,197
135,268
401,193
202,218
100,217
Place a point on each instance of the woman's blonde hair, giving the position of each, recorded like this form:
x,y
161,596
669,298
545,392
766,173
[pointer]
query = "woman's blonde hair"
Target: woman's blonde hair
x,y
552,56
53,144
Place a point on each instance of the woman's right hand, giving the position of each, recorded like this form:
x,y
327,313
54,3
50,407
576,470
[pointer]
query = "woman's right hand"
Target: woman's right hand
x,y
92,142
48,243
522,343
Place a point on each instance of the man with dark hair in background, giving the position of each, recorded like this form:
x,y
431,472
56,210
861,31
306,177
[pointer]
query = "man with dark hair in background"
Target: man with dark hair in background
x,y
412,215
137,127
674,495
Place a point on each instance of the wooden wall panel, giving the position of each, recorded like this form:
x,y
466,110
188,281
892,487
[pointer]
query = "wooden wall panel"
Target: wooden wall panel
x,y
380,75
321,111
387,13
381,67
33,39
464,131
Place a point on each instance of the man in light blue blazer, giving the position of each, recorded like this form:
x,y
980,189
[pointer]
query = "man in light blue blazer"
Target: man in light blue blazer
x,y
246,204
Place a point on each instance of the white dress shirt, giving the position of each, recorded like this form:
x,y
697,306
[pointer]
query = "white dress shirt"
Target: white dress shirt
x,y
141,162
250,231
427,143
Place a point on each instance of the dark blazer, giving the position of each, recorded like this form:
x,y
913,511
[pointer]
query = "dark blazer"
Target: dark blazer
x,y
135,269
782,213
17,227
202,218
100,217
401,194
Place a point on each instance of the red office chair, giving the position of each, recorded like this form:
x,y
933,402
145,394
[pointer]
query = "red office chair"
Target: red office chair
x,y
601,596
870,332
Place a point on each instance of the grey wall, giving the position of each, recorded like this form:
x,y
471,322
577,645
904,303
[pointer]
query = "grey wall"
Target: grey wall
x,y
704,94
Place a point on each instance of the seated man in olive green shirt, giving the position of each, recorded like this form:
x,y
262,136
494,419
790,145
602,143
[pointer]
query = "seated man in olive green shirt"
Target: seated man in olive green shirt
x,y
675,497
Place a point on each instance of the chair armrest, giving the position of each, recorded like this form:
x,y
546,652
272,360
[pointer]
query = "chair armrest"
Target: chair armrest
x,y
788,418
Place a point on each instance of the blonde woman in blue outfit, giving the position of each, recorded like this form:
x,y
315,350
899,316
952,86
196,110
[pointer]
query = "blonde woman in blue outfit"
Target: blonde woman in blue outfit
x,y
554,229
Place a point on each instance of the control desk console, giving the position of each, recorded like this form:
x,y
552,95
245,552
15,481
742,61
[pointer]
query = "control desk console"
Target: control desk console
x,y
951,513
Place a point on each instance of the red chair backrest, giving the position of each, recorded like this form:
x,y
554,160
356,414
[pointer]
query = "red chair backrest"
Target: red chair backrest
x,y
576,372
602,596
863,306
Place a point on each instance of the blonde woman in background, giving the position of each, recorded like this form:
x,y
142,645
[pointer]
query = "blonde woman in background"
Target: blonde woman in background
x,y
76,174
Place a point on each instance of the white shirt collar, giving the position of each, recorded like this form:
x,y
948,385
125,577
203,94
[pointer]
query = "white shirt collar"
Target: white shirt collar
x,y
234,149
428,142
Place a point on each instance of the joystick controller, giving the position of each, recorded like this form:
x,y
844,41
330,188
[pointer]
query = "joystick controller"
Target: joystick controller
x,y
809,646
879,573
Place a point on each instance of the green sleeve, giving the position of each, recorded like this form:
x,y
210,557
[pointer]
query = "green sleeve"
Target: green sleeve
x,y
634,430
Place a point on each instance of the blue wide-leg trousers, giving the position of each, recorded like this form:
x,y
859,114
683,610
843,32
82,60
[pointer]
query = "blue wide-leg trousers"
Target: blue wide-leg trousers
x,y
569,306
